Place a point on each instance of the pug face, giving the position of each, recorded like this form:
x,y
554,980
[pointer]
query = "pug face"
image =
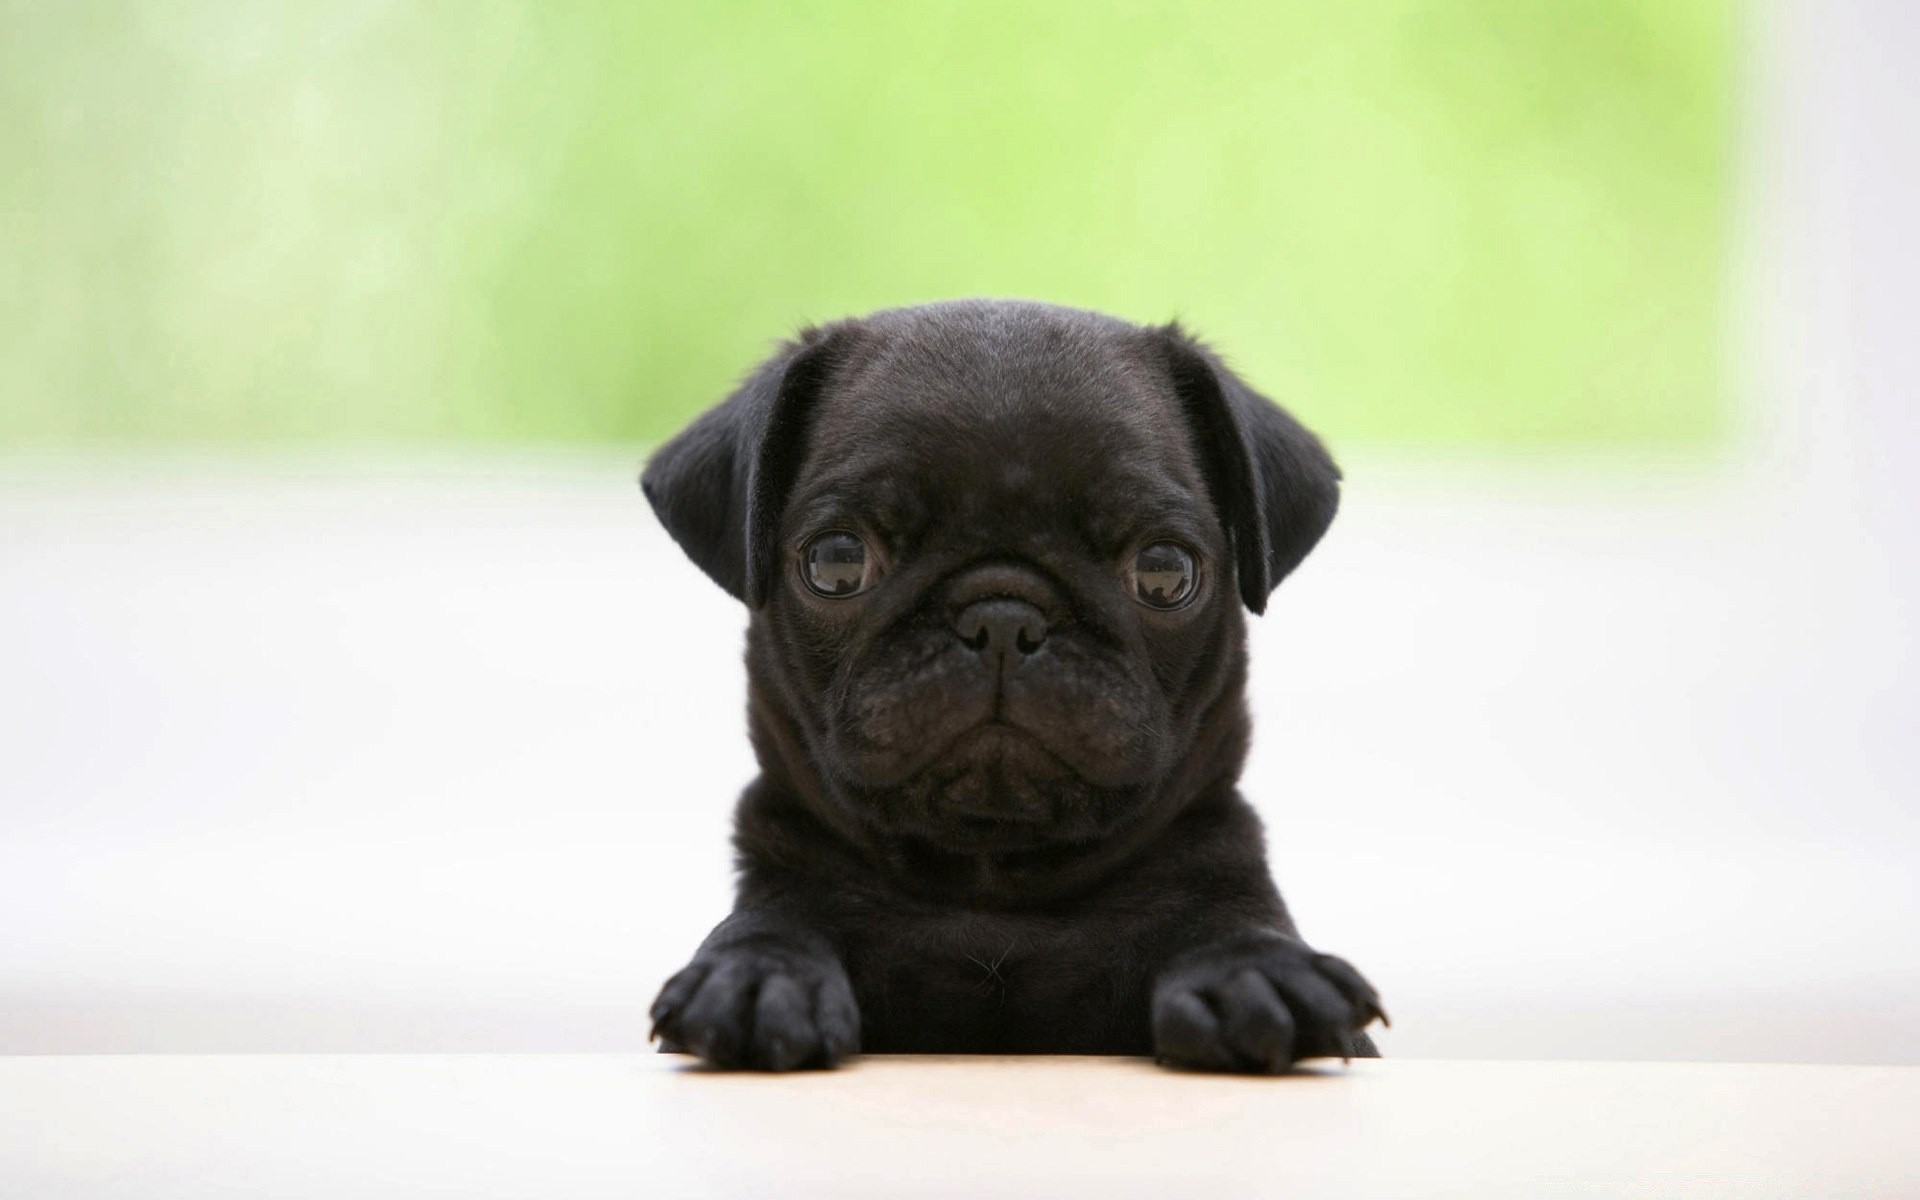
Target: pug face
x,y
996,556
999,599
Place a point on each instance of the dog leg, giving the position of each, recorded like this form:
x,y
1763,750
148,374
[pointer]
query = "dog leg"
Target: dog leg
x,y
1258,1002
760,995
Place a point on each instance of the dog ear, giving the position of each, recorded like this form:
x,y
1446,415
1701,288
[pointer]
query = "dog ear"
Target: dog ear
x,y
720,485
1273,482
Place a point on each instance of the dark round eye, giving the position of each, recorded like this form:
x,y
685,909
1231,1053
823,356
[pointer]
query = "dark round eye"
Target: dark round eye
x,y
1163,575
837,564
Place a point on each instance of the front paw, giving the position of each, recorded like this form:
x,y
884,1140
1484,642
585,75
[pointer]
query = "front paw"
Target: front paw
x,y
762,1006
1258,1004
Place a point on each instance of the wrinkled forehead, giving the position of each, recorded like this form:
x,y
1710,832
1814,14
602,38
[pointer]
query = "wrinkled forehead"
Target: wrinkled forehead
x,y
1010,435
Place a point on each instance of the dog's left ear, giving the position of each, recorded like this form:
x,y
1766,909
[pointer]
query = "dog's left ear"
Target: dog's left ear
x,y
1275,485
720,485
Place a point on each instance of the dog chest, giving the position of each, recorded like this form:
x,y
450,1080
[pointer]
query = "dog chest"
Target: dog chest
x,y
976,984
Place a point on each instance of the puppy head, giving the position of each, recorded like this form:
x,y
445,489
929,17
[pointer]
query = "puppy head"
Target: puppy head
x,y
995,555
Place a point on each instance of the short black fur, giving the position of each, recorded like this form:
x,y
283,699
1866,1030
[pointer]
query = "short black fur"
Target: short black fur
x,y
968,843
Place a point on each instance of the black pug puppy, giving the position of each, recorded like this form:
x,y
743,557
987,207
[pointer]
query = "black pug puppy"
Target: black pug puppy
x,y
994,555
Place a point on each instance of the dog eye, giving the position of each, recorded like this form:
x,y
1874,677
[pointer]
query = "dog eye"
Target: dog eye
x,y
837,564
1163,575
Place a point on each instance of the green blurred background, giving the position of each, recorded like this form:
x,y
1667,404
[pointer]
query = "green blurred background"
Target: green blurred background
x,y
1464,222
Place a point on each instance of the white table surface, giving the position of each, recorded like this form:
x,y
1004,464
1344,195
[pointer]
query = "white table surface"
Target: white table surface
x,y
649,1125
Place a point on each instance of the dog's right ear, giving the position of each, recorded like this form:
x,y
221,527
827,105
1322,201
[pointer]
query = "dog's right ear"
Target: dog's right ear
x,y
719,487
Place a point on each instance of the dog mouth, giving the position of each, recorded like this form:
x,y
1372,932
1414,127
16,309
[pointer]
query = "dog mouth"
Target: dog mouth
x,y
995,787
997,772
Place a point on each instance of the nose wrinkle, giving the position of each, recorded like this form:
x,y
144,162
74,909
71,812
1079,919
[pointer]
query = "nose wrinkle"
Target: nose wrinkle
x,y
1004,580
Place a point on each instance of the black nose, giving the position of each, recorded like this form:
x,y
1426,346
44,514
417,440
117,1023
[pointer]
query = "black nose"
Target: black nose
x,y
1002,629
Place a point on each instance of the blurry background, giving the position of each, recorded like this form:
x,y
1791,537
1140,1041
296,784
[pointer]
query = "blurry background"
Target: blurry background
x,y
351,699
1468,222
